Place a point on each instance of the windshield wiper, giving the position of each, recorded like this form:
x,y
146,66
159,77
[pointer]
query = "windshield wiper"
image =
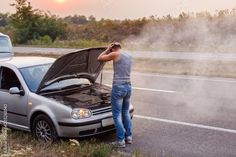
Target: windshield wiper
x,y
64,88
50,90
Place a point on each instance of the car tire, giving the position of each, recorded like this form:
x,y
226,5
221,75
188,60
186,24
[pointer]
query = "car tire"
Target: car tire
x,y
43,129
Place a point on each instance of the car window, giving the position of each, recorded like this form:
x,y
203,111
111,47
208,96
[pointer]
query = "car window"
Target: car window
x,y
34,75
8,79
5,45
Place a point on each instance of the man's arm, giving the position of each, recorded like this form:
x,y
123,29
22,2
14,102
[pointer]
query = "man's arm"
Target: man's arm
x,y
106,56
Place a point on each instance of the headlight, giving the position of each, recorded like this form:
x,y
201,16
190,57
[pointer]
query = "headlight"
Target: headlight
x,y
81,113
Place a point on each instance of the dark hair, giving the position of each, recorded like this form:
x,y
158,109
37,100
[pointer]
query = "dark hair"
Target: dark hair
x,y
116,45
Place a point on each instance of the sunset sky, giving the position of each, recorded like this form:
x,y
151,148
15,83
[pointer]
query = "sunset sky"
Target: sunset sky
x,y
120,9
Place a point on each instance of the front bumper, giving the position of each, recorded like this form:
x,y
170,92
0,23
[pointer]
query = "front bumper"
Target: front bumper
x,y
84,129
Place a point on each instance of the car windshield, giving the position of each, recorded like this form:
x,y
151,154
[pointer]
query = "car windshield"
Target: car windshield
x,y
5,45
34,75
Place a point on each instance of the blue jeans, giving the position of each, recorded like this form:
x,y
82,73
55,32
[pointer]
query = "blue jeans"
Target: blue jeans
x,y
120,100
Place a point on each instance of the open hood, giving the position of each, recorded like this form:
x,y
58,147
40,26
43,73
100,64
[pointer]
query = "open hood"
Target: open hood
x,y
80,64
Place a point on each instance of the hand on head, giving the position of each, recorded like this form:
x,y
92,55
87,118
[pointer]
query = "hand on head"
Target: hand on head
x,y
114,46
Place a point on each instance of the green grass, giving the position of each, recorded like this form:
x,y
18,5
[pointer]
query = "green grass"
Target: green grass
x,y
80,43
23,145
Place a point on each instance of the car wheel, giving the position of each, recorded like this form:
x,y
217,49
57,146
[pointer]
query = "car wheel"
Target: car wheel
x,y
43,129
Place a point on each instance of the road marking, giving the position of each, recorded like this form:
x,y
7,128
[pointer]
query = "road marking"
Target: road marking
x,y
187,77
149,89
187,124
154,90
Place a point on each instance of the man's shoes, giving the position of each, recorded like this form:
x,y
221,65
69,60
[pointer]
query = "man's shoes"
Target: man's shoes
x,y
119,144
129,140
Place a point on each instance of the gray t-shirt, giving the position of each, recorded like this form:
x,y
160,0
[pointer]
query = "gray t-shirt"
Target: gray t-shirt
x,y
122,69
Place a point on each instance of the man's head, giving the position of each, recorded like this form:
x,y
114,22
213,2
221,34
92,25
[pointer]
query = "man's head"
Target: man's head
x,y
110,53
115,46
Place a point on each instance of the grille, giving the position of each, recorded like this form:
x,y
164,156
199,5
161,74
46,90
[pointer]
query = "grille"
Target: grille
x,y
106,128
87,132
101,110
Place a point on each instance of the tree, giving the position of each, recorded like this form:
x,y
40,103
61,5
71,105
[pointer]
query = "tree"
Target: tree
x,y
30,24
91,18
51,26
76,19
4,19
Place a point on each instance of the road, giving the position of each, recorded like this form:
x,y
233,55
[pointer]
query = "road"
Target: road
x,y
183,116
141,54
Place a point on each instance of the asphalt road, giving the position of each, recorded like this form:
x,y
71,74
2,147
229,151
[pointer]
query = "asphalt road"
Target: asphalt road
x,y
140,54
183,116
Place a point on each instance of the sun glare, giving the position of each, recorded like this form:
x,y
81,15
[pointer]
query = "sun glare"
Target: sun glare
x,y
60,1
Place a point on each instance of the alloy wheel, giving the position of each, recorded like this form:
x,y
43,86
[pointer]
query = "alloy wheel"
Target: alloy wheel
x,y
43,131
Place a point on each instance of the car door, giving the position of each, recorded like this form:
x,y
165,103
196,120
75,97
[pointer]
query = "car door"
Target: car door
x,y
16,103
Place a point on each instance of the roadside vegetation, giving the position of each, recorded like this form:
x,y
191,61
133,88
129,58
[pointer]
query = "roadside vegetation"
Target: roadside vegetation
x,y
22,144
201,31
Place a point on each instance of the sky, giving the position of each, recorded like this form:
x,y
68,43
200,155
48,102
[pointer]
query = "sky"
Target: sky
x,y
122,9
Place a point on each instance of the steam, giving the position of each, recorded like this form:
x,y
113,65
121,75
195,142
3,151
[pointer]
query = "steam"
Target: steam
x,y
202,33
206,99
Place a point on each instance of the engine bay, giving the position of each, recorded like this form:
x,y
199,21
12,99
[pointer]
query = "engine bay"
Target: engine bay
x,y
93,97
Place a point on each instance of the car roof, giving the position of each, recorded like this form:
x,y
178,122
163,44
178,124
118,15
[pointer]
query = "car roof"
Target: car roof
x,y
3,35
22,62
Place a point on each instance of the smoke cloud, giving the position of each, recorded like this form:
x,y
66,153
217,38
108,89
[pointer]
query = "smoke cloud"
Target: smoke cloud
x,y
194,33
201,32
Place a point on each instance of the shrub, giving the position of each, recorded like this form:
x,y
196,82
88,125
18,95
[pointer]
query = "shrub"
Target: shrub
x,y
45,40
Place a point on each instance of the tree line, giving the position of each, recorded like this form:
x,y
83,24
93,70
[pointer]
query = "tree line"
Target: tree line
x,y
28,25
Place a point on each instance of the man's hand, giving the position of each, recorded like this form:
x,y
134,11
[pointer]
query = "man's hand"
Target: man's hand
x,y
108,54
109,48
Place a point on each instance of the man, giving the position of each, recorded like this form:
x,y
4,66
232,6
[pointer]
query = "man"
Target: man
x,y
121,92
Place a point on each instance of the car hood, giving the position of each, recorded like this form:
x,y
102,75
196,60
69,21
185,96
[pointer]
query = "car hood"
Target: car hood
x,y
80,64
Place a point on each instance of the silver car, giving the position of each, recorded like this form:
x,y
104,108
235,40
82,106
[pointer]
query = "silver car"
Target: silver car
x,y
5,47
56,98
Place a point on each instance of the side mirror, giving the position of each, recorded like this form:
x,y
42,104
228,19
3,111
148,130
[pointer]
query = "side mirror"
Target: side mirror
x,y
16,91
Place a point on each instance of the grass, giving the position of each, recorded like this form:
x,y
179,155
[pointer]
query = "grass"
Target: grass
x,y
22,144
82,43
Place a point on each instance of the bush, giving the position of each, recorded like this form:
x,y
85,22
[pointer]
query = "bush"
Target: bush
x,y
45,40
80,43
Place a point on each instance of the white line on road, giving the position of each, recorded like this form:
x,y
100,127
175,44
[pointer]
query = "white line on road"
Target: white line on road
x,y
154,90
187,77
149,89
186,124
197,78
